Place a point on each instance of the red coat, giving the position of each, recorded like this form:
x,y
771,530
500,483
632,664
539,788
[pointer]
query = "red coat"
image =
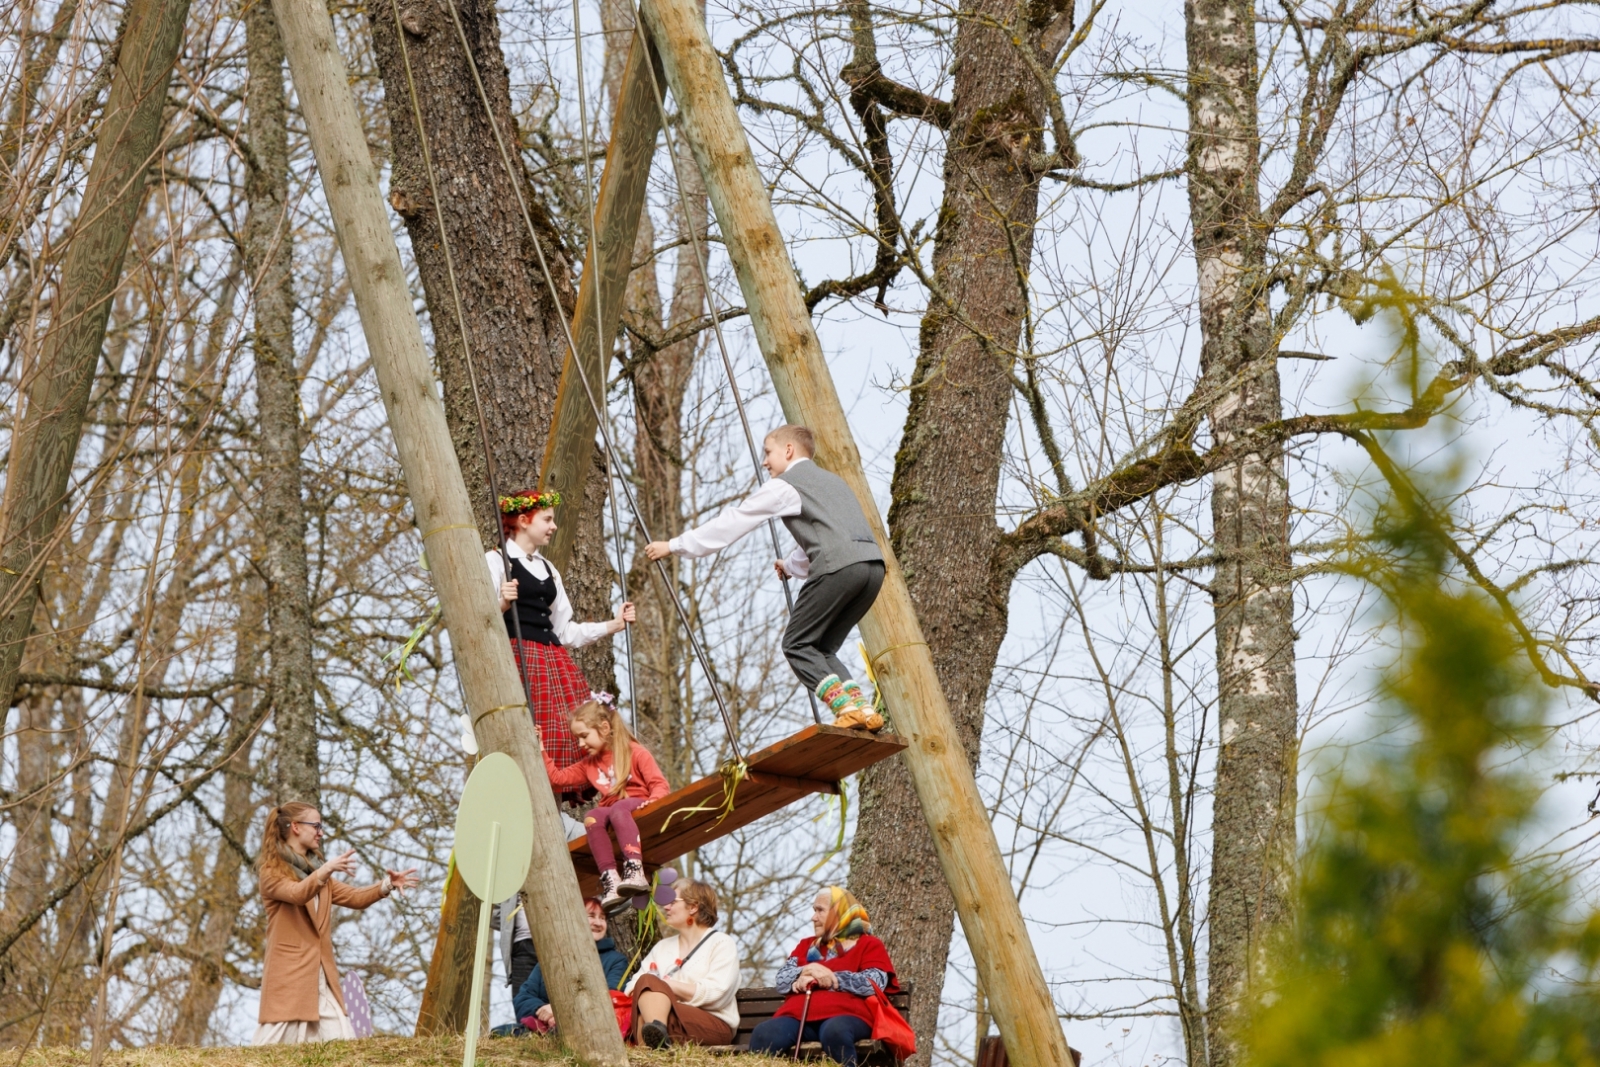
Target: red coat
x,y
645,779
298,942
867,952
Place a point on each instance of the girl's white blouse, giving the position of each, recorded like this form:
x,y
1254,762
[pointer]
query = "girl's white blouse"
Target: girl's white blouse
x,y
570,634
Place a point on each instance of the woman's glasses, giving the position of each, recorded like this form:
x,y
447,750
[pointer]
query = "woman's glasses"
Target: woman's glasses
x,y
317,826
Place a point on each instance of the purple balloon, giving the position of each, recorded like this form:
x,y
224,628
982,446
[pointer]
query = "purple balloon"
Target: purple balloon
x,y
666,876
640,902
664,895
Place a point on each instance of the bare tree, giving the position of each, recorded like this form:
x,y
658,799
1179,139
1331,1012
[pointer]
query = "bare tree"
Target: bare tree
x,y
268,249
58,389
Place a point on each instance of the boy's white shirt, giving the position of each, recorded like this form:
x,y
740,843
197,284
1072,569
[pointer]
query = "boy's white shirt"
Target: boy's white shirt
x,y
714,970
777,499
570,634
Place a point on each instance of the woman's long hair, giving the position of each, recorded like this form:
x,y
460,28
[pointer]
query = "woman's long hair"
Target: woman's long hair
x,y
846,921
592,713
276,836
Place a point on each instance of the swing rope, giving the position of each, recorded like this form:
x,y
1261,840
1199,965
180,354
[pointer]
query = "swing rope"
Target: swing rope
x,y
657,96
583,377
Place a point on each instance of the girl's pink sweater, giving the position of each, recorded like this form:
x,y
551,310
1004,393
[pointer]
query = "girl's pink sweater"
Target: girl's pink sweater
x,y
645,781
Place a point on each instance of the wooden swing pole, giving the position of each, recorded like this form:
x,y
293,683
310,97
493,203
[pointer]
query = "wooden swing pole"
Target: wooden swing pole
x,y
969,855
569,450
438,492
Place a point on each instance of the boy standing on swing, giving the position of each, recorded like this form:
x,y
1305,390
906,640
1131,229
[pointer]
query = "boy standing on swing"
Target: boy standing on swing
x,y
838,559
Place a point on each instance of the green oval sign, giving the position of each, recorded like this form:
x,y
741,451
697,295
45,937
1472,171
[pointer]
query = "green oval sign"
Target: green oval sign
x,y
494,823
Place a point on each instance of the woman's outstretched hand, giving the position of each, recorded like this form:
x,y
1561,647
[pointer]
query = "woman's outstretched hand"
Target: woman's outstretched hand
x,y
815,976
657,550
403,880
625,614
344,864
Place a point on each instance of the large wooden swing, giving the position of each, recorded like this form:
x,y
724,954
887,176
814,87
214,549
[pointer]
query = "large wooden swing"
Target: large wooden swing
x,y
815,760
673,43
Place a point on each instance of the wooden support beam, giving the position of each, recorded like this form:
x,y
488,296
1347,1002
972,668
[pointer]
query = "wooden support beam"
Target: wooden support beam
x,y
569,450
489,681
968,852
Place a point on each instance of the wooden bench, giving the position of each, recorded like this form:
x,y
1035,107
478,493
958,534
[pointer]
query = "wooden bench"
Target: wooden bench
x,y
760,1003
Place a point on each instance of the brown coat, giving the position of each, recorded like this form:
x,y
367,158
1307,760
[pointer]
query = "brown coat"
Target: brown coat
x,y
299,941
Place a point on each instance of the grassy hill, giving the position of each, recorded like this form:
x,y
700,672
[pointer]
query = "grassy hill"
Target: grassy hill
x,y
375,1052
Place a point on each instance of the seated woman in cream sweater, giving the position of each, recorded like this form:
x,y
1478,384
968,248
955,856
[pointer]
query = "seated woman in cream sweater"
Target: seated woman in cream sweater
x,y
685,988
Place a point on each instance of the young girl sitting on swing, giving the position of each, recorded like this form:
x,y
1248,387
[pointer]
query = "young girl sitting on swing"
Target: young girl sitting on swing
x,y
626,776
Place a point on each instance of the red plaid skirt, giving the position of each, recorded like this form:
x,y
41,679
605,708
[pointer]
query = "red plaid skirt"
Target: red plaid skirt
x,y
557,686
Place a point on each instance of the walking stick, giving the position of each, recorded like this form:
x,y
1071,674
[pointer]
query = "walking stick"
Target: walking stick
x,y
805,1009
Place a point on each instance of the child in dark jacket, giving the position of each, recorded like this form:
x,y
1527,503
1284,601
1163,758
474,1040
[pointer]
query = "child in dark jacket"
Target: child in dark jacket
x,y
532,1002
626,776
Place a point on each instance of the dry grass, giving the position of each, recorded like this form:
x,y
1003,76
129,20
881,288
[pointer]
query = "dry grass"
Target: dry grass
x,y
376,1052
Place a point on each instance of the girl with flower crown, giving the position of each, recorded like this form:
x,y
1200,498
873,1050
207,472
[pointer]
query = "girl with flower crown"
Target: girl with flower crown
x,y
539,621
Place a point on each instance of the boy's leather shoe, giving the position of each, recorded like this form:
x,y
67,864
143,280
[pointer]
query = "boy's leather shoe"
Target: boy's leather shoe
x,y
858,718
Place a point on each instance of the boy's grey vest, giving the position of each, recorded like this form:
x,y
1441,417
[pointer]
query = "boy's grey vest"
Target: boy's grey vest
x,y
831,528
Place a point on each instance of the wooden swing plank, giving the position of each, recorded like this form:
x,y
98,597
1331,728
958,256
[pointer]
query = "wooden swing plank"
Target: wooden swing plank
x,y
814,760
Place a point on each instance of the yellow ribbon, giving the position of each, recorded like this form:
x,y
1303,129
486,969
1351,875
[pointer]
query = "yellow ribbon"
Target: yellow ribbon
x,y
499,707
844,814
451,526
733,772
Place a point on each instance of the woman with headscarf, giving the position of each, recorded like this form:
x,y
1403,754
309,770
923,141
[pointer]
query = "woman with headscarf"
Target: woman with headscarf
x,y
300,996
836,969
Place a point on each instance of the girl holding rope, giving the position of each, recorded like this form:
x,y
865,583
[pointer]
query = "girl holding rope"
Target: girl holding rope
x,y
533,591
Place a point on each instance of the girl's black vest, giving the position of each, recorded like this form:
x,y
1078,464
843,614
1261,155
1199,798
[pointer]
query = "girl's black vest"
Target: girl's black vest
x,y
534,597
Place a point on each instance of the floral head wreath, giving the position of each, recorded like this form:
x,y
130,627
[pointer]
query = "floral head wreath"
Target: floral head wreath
x,y
511,505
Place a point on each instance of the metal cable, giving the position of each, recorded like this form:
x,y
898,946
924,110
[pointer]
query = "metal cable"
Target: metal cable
x,y
716,317
466,345
592,263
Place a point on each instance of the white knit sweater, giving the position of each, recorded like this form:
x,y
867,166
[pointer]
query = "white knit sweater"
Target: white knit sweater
x,y
714,970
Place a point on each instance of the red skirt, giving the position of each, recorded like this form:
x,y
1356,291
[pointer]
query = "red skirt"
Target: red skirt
x,y
557,686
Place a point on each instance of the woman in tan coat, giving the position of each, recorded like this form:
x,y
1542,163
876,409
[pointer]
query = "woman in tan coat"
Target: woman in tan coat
x,y
300,998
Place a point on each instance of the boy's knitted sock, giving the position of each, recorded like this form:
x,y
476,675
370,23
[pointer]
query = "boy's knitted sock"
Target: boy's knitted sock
x,y
853,687
831,692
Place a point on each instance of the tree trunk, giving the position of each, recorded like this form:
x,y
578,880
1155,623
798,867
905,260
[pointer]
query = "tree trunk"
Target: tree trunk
x,y
947,471
1253,811
507,312
57,396
268,244
211,936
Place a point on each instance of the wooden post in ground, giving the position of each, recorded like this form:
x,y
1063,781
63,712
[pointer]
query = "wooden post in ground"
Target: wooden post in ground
x,y
410,393
570,447
969,855
623,184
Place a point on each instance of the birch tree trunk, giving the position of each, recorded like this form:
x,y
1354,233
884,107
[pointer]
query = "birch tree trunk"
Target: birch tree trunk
x,y
56,396
268,247
1253,812
941,516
